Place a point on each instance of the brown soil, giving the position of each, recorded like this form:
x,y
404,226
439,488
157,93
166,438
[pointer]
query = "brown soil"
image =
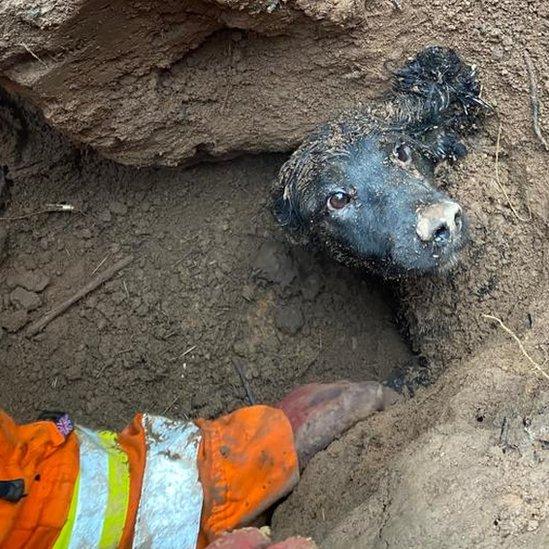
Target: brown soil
x,y
212,288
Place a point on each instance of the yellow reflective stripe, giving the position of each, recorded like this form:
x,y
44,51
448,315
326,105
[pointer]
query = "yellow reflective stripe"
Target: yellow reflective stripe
x,y
99,505
119,487
62,542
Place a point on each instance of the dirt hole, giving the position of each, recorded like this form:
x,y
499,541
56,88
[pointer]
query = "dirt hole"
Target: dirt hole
x,y
213,289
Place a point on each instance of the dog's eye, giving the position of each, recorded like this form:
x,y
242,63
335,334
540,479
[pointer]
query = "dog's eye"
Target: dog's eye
x,y
338,200
403,153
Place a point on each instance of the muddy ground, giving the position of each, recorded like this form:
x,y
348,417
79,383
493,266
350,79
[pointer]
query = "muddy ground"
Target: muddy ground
x,y
213,289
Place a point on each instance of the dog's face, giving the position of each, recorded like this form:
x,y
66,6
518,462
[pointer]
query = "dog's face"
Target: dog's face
x,y
371,203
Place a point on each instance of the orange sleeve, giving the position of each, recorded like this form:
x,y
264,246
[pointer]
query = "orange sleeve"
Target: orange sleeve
x,y
246,462
48,465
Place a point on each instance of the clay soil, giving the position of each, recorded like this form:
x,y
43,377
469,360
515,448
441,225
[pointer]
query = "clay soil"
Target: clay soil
x,y
213,289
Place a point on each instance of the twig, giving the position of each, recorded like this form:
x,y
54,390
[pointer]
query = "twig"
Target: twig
x,y
498,181
50,208
170,406
519,343
41,323
534,98
34,55
100,263
189,350
245,384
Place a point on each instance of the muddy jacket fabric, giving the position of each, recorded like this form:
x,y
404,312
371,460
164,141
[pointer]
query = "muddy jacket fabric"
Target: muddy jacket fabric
x,y
158,483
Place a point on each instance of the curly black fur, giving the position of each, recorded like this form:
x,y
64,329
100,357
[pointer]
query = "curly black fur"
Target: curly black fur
x,y
434,102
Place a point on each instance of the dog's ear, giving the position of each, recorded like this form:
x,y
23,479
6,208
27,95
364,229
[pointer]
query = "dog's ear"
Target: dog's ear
x,y
444,146
285,209
438,89
291,178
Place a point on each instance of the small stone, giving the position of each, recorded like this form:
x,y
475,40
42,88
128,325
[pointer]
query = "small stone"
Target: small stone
x,y
74,372
23,299
118,208
13,321
289,319
240,348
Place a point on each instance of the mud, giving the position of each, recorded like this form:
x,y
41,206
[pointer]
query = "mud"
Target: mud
x,y
213,289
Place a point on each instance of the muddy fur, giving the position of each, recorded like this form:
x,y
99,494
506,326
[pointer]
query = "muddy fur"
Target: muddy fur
x,y
434,102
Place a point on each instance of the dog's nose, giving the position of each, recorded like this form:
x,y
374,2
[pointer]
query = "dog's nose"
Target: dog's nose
x,y
439,222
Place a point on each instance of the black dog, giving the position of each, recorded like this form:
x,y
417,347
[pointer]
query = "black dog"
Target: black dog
x,y
361,186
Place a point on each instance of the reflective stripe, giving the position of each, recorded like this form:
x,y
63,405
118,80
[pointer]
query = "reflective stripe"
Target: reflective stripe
x,y
171,496
64,537
93,492
119,488
100,501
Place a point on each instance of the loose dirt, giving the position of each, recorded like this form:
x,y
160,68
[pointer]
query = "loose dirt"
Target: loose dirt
x,y
213,289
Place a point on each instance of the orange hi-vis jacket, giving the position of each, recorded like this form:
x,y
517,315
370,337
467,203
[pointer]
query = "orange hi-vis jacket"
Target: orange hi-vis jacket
x,y
158,483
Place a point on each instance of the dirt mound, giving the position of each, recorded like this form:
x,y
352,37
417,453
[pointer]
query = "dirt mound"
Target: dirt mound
x,y
464,464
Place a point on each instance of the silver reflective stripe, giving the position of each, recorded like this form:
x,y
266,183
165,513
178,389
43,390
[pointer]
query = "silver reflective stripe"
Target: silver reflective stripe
x,y
171,496
93,491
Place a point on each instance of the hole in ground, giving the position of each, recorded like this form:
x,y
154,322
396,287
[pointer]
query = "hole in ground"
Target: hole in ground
x,y
195,313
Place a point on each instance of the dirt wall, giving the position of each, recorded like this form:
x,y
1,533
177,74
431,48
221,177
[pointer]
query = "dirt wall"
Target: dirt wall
x,y
462,465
